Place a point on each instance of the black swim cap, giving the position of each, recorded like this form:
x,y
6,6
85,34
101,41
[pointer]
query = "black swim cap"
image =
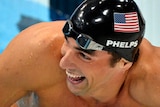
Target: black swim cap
x,y
115,25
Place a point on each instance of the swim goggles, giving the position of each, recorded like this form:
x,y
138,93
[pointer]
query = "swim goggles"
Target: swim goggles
x,y
84,41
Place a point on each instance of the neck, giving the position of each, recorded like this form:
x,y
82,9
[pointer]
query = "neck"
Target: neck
x,y
109,94
92,102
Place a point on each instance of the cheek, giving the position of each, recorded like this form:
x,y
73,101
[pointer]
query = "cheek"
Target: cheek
x,y
101,65
99,70
93,70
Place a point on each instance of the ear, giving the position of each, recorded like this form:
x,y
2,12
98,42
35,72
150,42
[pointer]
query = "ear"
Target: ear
x,y
125,64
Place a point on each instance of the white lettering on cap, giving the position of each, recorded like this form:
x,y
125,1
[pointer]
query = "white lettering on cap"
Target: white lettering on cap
x,y
120,44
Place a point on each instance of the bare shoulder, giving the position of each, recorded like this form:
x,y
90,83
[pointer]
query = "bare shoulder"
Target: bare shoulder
x,y
147,46
32,57
144,76
149,56
39,34
31,61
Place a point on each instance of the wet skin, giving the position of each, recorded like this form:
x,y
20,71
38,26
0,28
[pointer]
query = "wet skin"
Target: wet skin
x,y
40,59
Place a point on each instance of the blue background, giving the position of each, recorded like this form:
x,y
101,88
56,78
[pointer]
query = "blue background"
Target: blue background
x,y
15,15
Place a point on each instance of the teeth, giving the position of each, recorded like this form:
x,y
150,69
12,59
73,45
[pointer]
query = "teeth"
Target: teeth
x,y
73,75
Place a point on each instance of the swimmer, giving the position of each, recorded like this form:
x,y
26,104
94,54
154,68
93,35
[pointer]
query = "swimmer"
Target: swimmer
x,y
97,58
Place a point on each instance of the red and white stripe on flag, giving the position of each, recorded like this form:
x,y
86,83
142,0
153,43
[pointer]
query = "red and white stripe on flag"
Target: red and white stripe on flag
x,y
126,22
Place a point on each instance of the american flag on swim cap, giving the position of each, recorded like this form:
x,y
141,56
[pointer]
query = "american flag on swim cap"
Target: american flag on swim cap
x,y
126,22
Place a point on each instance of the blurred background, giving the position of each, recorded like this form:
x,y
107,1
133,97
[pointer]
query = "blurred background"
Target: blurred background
x,y
16,15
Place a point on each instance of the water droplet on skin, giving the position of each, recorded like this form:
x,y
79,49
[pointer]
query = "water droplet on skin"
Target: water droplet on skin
x,y
39,44
31,55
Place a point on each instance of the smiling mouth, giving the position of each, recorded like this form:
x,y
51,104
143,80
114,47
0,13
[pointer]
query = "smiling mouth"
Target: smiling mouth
x,y
74,78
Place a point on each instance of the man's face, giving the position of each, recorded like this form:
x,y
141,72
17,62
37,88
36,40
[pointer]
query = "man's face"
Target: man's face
x,y
88,72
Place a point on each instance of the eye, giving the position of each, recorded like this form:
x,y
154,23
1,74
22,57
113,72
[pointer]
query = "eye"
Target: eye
x,y
84,56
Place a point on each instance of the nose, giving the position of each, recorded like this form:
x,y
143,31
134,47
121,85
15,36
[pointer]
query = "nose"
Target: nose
x,y
67,60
